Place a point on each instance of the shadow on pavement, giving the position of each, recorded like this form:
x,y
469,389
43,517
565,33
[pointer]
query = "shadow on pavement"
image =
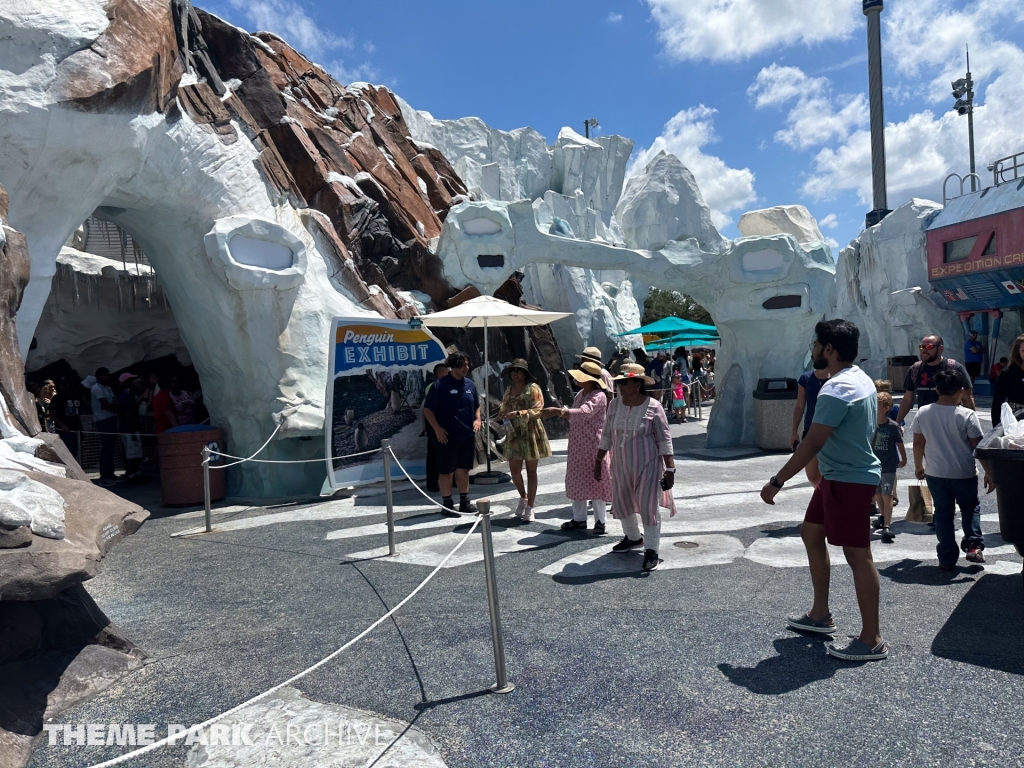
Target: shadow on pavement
x,y
802,660
987,626
913,572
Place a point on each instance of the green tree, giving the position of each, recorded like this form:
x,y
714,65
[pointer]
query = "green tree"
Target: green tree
x,y
661,304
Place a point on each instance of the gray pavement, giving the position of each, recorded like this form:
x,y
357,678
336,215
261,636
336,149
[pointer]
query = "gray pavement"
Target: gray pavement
x,y
689,665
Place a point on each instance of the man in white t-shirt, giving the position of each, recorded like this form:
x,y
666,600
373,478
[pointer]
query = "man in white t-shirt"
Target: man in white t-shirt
x,y
104,415
945,436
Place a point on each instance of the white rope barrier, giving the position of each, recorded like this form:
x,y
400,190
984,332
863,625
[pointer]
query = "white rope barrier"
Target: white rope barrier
x,y
258,450
179,737
414,485
289,461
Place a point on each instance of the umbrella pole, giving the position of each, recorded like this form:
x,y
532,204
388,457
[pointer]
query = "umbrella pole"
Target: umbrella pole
x,y
487,401
489,477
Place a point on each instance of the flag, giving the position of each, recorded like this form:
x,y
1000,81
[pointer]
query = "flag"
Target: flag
x,y
961,294
1012,287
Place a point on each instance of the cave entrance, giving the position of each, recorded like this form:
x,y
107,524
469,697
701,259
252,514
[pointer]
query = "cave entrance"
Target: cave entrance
x,y
106,308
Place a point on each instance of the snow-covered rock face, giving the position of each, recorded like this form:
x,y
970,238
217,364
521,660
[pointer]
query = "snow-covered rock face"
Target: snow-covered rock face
x,y
663,203
795,220
24,501
173,161
575,186
764,293
882,286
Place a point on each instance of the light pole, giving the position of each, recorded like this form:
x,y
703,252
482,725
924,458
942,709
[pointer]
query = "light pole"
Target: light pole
x,y
588,124
965,87
873,10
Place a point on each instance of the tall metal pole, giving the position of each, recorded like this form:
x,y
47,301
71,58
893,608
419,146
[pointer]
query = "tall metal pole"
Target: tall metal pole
x,y
873,10
497,640
385,451
970,119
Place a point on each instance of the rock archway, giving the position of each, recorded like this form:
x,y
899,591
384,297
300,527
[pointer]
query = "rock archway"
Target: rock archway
x,y
268,197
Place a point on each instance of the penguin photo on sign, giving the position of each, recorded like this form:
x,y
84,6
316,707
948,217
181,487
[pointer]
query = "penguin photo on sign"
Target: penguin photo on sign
x,y
362,439
350,414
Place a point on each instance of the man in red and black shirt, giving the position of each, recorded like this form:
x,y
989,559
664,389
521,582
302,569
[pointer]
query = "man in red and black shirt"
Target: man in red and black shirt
x,y
920,381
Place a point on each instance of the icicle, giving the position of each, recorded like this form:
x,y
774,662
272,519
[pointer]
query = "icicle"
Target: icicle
x,y
74,278
120,300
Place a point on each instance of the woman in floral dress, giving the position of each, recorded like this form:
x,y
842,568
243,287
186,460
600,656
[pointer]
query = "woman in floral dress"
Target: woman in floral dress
x,y
586,423
643,463
527,442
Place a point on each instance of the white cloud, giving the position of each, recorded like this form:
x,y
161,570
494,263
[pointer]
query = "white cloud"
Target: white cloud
x,y
831,242
829,222
725,189
817,117
289,21
733,30
360,73
613,18
924,148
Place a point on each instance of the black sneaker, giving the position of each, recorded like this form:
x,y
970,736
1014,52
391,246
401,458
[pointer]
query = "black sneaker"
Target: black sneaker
x,y
574,525
599,529
467,507
887,535
448,508
651,561
627,544
877,522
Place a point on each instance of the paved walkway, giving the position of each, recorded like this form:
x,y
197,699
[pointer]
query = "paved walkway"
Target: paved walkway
x,y
689,665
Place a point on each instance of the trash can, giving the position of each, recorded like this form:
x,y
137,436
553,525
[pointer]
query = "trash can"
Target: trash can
x,y
1008,473
773,413
897,368
181,464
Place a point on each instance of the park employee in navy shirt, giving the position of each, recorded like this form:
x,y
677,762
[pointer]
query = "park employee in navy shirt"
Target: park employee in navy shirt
x,y
452,409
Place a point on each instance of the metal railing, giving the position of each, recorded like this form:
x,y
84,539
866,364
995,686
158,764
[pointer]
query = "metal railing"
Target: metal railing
x,y
1007,169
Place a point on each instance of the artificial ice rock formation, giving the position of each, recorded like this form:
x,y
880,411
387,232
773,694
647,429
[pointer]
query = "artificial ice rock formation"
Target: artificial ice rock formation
x,y
794,219
103,313
576,185
662,203
882,286
764,293
254,182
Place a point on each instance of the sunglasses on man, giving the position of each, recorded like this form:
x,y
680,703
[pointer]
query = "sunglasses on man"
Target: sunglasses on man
x,y
927,347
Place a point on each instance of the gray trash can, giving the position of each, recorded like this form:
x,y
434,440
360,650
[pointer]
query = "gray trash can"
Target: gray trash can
x,y
897,369
773,413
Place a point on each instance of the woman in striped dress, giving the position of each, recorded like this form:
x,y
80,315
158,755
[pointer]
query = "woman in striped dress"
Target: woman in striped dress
x,y
643,463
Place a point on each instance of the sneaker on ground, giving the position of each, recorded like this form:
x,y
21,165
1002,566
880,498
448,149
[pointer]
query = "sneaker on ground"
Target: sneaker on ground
x,y
466,507
887,535
877,522
858,650
599,529
528,515
627,544
975,556
651,560
105,482
520,507
574,525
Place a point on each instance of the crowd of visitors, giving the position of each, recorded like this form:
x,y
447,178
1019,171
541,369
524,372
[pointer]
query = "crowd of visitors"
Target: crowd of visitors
x,y
120,410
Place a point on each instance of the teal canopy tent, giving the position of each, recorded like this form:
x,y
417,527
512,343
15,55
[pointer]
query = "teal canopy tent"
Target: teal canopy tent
x,y
674,325
680,341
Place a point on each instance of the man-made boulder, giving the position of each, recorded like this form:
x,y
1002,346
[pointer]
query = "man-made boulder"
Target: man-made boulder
x,y
663,203
790,219
94,521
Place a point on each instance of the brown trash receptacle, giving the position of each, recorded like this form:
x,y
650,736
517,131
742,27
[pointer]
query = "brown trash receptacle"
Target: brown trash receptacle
x,y
181,464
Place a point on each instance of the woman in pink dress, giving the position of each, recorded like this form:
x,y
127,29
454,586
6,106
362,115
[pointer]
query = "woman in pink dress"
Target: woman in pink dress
x,y
643,463
586,423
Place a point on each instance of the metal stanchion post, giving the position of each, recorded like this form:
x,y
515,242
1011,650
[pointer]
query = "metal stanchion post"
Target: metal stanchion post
x,y
206,488
386,453
497,641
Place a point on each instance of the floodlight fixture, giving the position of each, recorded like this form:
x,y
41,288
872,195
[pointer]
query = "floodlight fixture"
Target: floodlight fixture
x,y
588,124
964,87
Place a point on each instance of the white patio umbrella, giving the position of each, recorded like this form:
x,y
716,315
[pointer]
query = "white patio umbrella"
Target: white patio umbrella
x,y
489,312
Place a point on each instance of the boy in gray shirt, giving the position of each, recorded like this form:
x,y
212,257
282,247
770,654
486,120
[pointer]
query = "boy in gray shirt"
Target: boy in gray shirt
x,y
945,436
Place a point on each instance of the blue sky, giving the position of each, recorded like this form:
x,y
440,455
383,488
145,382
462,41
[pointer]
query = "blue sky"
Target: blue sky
x,y
764,100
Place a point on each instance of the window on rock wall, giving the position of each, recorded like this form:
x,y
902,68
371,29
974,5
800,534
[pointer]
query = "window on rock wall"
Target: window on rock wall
x,y
490,260
782,302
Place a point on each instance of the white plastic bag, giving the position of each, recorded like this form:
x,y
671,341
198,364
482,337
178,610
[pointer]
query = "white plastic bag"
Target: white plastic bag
x,y
1013,430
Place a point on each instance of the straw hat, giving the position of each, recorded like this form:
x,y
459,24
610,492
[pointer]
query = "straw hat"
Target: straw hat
x,y
589,371
591,353
522,365
632,371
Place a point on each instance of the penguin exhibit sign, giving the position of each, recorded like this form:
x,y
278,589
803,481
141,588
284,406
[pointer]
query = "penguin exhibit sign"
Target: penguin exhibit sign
x,y
378,378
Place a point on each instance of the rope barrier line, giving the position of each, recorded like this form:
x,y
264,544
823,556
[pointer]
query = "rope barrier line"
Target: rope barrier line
x,y
180,737
258,450
290,461
414,485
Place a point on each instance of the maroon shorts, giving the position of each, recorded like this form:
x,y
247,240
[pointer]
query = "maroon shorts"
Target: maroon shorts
x,y
845,511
